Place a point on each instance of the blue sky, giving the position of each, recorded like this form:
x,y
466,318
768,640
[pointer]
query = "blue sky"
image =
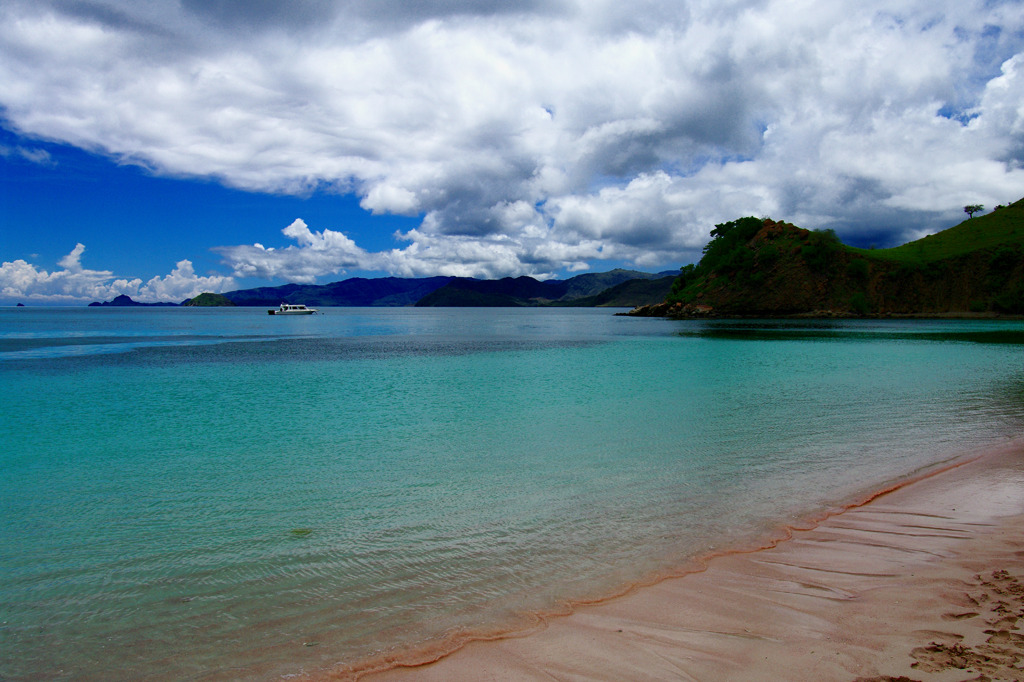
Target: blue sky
x,y
165,148
133,221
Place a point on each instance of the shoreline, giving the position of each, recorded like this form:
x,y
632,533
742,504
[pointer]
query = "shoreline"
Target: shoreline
x,y
699,312
872,583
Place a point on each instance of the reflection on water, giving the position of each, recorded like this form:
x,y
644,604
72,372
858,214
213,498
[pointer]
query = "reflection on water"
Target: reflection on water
x,y
1011,333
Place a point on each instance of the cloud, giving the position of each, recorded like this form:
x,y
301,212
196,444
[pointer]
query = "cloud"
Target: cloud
x,y
317,254
538,136
1002,103
522,239
182,283
32,155
75,284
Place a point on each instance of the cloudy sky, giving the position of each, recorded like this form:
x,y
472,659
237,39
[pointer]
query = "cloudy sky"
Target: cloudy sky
x,y
164,148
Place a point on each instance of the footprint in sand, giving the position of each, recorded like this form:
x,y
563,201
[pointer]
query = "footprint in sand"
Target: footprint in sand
x,y
937,657
960,616
1005,637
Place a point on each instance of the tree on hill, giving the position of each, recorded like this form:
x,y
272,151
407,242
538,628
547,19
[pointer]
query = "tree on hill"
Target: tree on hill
x,y
724,253
971,209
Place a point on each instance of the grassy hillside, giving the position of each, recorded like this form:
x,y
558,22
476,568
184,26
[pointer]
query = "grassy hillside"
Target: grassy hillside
x,y
755,267
1003,226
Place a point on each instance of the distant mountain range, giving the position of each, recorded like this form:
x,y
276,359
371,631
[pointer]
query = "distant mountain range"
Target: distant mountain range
x,y
580,290
355,292
622,288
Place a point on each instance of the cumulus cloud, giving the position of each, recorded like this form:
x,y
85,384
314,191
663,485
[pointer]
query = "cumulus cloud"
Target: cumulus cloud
x,y
76,284
72,284
182,283
539,136
316,254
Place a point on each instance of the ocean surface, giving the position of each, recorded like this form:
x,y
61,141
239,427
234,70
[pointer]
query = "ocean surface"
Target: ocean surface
x,y
221,494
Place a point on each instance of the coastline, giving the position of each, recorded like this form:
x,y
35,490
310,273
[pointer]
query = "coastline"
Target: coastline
x,y
918,580
704,312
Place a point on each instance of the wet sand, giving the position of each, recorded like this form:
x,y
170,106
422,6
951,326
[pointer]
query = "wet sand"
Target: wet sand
x,y
922,583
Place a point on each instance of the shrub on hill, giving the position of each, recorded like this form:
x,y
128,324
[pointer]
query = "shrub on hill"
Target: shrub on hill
x,y
755,266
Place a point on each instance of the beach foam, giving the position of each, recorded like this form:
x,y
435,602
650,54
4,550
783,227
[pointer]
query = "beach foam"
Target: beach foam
x,y
925,582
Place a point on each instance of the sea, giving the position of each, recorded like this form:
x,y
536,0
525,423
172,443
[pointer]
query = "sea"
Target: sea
x,y
205,494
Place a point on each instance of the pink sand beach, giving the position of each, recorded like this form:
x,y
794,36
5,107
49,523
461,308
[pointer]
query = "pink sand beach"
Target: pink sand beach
x,y
920,583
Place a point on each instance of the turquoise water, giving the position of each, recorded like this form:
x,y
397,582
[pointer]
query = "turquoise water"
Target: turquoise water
x,y
220,493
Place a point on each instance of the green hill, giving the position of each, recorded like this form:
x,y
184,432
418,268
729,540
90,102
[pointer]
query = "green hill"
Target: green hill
x,y
755,267
1003,226
208,300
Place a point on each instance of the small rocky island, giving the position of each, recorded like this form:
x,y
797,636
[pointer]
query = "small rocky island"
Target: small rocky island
x,y
208,300
123,301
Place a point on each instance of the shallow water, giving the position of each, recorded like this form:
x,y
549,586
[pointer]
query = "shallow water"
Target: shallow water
x,y
192,493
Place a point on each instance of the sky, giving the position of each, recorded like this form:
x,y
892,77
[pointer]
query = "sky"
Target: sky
x,y
170,147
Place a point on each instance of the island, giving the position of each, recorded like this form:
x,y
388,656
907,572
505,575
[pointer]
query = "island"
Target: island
x,y
208,300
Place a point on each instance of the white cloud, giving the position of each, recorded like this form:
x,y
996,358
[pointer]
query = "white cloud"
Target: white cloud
x,y
73,261
33,155
182,283
317,254
538,136
75,284
383,198
22,280
460,256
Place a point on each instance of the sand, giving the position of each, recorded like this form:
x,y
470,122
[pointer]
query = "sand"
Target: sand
x,y
922,583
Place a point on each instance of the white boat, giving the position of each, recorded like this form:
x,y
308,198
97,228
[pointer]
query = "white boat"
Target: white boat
x,y
293,309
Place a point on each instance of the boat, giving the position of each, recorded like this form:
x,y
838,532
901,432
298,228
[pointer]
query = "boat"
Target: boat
x,y
293,309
